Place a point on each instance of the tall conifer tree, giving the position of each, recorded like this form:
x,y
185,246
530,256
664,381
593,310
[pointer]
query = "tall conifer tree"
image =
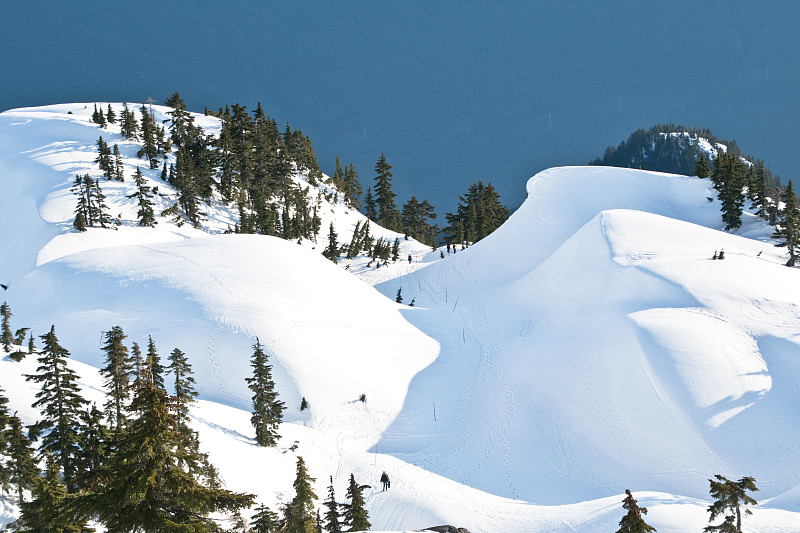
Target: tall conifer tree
x,y
128,125
788,229
143,197
6,338
267,409
352,187
117,373
299,514
103,158
153,366
152,482
61,404
22,470
388,216
370,210
149,148
184,385
356,516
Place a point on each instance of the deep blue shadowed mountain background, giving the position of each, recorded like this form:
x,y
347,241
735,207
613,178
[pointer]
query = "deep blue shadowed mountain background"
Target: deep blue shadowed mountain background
x,y
451,92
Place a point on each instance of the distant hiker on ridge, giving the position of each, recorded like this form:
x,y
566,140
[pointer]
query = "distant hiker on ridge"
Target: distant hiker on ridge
x,y
409,259
385,480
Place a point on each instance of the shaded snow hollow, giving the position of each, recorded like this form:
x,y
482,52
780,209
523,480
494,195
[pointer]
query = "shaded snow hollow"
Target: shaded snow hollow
x,y
587,346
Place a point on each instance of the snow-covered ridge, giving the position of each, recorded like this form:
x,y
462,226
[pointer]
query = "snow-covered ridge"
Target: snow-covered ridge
x,y
588,346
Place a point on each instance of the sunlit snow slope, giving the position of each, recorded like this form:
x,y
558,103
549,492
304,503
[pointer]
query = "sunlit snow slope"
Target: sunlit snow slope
x,y
588,346
591,343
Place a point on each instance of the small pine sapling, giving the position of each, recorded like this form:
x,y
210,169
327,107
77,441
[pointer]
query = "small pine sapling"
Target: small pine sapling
x,y
633,522
303,404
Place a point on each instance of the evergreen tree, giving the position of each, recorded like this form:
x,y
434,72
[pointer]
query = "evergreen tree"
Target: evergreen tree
x,y
6,338
128,124
138,365
180,119
352,187
728,180
149,148
788,230
117,377
332,519
96,115
82,209
119,168
729,497
265,521
415,220
111,117
98,210
338,176
103,158
153,483
355,512
479,213
94,442
267,409
388,216
143,197
154,370
49,511
5,432
332,250
354,247
633,522
370,207
702,170
758,192
299,513
21,467
61,405
184,383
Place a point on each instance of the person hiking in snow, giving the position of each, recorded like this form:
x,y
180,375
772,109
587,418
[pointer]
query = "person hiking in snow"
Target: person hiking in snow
x,y
385,480
409,259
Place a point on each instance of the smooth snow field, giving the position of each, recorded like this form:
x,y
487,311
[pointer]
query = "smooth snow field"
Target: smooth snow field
x,y
588,346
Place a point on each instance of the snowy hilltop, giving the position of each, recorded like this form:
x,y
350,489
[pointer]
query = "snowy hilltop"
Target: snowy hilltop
x,y
588,346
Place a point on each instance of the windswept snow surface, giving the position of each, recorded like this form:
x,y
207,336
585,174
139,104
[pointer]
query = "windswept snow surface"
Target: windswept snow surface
x,y
588,346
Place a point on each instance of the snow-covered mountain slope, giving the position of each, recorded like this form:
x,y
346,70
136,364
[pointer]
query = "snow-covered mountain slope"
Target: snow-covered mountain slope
x,y
588,346
598,344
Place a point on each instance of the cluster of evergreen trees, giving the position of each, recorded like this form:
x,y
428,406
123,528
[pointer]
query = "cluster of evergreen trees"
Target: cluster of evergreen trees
x,y
672,149
736,181
479,213
736,177
135,465
250,165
